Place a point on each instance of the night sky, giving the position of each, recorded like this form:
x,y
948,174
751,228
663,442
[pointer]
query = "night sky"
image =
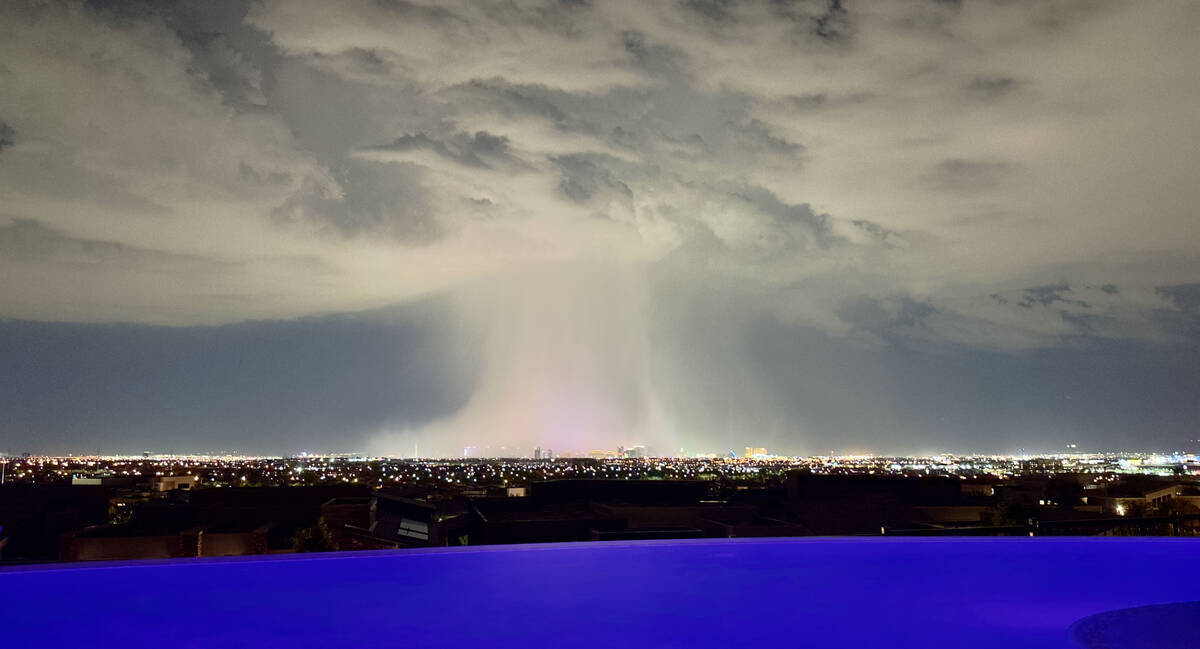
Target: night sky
x,y
813,226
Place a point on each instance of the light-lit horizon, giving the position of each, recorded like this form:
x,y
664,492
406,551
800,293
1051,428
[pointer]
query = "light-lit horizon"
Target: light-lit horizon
x,y
615,454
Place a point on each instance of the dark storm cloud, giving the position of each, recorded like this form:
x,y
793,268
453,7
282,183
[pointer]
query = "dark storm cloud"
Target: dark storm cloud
x,y
1185,296
482,150
1184,319
585,176
420,141
1085,324
224,51
511,100
1048,295
888,319
798,222
834,24
877,231
912,313
823,18
655,59
238,79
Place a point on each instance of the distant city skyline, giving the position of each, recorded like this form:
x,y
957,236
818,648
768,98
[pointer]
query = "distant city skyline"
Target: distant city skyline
x,y
220,470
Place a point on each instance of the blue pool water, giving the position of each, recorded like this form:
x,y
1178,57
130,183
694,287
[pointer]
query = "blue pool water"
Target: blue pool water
x,y
1161,626
829,593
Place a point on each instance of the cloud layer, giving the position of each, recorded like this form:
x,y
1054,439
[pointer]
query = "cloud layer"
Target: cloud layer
x,y
957,177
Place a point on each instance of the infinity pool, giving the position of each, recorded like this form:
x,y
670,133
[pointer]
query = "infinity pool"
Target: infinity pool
x,y
828,593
